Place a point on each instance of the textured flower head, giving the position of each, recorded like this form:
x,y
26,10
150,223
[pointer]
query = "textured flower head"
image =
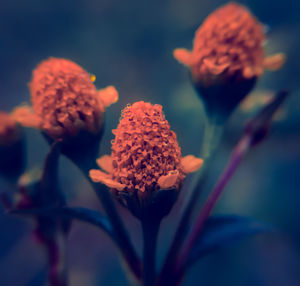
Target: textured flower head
x,y
9,130
64,100
145,154
228,46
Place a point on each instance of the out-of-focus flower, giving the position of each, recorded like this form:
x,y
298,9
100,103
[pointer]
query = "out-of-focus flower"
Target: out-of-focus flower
x,y
256,100
9,130
27,195
11,146
258,127
228,45
64,100
228,56
145,158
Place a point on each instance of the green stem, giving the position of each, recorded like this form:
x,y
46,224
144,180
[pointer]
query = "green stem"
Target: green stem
x,y
150,232
254,133
238,154
211,140
212,134
55,249
52,231
120,232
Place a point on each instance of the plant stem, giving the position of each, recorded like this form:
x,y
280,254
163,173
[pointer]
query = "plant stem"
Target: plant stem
x,y
150,232
235,160
56,259
52,232
211,140
123,240
254,132
121,234
212,134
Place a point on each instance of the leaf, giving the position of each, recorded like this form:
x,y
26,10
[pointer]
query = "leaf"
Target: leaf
x,y
87,215
220,231
79,213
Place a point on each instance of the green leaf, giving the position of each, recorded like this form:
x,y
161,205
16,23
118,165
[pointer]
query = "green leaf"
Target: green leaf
x,y
220,231
79,213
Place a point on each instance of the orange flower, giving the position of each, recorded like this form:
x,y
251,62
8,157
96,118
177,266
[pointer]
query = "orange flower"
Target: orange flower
x,y
145,154
64,100
228,46
9,130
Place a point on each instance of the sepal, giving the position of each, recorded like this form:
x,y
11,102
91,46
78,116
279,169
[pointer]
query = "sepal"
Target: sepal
x,y
157,205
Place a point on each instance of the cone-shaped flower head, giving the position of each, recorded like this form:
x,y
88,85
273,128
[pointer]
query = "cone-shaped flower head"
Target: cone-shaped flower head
x,y
145,155
64,100
228,50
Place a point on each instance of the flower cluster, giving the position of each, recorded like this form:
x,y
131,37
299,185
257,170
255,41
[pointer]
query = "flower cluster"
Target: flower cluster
x,y
145,170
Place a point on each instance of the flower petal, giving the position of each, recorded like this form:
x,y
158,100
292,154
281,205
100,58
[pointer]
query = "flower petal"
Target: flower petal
x,y
105,163
274,62
183,56
168,181
190,164
98,176
108,95
25,116
215,69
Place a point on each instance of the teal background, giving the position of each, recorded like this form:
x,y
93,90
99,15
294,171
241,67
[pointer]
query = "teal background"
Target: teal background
x,y
129,44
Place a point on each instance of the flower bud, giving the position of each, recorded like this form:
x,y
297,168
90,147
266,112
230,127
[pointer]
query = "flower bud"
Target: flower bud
x,y
227,58
145,169
11,147
28,190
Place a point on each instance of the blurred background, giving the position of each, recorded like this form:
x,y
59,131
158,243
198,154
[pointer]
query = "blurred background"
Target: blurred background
x,y
129,44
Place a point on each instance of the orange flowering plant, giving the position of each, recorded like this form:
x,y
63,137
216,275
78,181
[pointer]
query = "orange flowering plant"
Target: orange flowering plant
x,y
227,58
146,170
